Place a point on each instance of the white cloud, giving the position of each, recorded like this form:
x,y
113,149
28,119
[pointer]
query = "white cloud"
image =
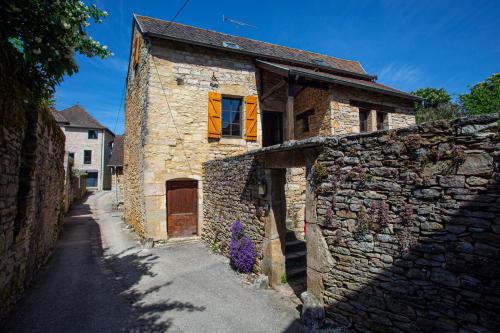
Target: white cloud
x,y
402,76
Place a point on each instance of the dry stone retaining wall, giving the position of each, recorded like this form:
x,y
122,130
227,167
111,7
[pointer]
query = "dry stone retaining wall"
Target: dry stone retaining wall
x,y
408,220
412,222
231,194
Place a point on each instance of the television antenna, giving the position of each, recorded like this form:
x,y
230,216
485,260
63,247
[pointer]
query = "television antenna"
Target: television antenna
x,y
236,22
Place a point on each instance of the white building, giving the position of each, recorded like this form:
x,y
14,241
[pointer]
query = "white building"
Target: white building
x,y
88,144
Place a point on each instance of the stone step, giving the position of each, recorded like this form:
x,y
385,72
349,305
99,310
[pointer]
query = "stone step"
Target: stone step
x,y
298,283
294,246
296,272
298,258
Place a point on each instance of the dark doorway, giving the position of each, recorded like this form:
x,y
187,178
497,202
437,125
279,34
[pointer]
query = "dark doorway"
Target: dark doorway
x,y
182,208
92,179
272,128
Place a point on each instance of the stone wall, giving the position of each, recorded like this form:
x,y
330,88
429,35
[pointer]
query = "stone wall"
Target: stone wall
x,y
75,185
31,192
231,194
403,229
295,195
411,220
117,186
320,122
345,117
135,127
176,142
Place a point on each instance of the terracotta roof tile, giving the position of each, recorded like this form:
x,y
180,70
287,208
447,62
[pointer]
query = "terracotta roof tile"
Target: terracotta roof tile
x,y
209,38
78,117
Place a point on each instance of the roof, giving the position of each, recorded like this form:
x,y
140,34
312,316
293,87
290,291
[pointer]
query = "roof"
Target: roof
x,y
78,117
59,117
116,158
332,78
193,35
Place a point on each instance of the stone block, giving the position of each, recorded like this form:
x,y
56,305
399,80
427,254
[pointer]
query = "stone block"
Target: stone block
x,y
476,164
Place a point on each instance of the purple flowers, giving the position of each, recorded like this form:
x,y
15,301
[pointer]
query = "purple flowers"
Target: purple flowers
x,y
242,251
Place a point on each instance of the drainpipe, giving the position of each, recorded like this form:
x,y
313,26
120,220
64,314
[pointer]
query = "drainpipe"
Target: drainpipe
x,y
101,171
116,185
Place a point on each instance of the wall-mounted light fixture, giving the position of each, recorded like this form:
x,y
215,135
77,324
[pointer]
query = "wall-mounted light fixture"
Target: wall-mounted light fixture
x,y
214,81
262,187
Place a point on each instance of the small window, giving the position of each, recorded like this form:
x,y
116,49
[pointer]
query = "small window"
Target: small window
x,y
87,157
381,120
231,45
363,120
92,134
303,119
231,116
320,62
71,156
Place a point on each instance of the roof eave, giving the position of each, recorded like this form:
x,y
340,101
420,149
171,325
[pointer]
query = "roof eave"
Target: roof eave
x,y
354,85
284,71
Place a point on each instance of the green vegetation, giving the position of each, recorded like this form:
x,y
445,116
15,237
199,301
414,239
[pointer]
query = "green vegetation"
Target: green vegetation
x,y
483,97
437,104
41,38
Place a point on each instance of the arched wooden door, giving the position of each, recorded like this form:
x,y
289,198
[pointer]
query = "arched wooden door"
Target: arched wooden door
x,y
182,208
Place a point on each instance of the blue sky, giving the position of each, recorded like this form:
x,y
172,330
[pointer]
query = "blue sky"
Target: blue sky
x,y
408,44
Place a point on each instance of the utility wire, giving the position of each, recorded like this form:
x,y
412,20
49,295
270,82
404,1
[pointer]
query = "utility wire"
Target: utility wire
x,y
179,136
120,107
176,14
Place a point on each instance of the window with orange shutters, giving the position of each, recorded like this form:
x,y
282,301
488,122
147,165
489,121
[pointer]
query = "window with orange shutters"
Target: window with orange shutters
x,y
251,118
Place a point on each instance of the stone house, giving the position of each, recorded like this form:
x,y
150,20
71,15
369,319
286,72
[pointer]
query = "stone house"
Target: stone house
x,y
116,165
195,95
88,145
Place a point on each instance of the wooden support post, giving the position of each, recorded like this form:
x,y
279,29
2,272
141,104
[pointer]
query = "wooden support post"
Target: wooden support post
x,y
289,118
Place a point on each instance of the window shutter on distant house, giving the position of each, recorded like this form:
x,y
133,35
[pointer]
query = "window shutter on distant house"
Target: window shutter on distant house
x,y
251,118
137,46
214,115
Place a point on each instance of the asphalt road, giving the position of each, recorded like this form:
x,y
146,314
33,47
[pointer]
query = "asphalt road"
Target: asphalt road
x,y
101,280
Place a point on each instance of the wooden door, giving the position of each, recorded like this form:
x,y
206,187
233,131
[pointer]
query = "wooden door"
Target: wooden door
x,y
182,208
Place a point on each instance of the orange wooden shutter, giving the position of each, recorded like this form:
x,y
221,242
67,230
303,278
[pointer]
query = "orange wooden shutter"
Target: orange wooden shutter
x,y
251,118
214,114
137,46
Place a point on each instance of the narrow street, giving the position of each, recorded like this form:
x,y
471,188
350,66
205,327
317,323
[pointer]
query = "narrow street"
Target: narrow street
x,y
101,280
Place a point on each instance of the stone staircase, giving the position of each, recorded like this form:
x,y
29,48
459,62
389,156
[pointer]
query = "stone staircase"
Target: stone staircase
x,y
296,262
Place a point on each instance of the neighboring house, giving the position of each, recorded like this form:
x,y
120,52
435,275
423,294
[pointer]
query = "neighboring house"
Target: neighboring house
x,y
195,95
116,165
88,144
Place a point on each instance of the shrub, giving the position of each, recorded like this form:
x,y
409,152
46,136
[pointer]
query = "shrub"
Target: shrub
x,y
242,251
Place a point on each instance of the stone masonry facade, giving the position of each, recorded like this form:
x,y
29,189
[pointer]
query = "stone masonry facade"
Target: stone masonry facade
x,y
403,226
31,194
166,121
77,142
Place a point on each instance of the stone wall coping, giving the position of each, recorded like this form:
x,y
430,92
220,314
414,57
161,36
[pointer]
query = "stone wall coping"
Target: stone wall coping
x,y
318,141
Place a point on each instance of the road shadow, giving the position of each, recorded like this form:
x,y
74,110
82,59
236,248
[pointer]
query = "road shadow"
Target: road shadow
x,y
125,270
82,290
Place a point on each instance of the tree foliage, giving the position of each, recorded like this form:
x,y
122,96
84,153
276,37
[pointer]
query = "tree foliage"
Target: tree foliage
x,y
483,97
437,104
44,37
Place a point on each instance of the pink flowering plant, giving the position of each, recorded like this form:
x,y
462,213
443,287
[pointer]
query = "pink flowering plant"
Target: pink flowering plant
x,y
242,251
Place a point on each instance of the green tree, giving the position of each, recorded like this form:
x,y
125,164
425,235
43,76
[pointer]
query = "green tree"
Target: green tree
x,y
437,104
42,38
483,97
